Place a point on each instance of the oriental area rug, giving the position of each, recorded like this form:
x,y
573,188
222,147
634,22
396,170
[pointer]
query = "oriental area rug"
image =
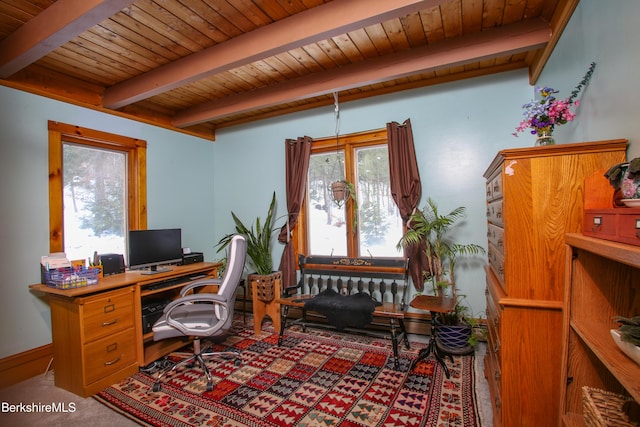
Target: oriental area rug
x,y
319,378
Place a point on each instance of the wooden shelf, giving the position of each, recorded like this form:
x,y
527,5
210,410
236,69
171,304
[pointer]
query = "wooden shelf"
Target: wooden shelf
x,y
602,281
598,338
619,252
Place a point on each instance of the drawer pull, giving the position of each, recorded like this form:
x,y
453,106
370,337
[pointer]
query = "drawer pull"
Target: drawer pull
x,y
597,222
113,322
113,362
109,308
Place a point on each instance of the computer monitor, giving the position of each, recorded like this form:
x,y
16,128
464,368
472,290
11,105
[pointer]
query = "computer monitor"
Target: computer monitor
x,y
154,249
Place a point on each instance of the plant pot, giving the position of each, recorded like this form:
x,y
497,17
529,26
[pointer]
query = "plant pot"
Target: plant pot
x,y
632,351
339,191
264,286
629,183
454,339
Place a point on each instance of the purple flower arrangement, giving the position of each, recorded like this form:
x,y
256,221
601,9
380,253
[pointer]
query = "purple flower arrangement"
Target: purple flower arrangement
x,y
541,116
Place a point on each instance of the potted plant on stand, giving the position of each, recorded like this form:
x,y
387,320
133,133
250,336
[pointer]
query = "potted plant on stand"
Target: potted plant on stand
x,y
433,230
264,283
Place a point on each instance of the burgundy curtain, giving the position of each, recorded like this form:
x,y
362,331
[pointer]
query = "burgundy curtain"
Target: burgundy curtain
x,y
406,189
297,155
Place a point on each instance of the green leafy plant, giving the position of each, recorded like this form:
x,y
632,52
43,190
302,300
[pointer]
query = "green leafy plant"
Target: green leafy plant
x,y
629,329
433,228
259,239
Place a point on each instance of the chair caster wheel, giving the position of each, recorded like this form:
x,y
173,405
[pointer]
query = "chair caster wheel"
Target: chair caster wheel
x,y
156,387
238,362
209,387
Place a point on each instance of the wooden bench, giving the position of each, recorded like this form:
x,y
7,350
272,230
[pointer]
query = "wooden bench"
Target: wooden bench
x,y
384,279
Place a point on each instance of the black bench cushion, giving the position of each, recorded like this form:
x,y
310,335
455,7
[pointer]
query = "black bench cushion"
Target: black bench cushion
x,y
343,310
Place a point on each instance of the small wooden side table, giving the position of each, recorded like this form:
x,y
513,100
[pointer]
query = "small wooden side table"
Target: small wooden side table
x,y
433,304
265,307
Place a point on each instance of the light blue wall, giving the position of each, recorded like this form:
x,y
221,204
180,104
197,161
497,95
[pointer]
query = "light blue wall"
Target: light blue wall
x,y
457,129
180,177
605,33
193,184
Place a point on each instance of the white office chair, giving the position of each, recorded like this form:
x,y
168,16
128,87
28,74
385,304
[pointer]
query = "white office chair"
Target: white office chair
x,y
204,315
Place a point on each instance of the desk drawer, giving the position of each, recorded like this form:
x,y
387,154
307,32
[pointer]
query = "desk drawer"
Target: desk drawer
x,y
107,313
109,355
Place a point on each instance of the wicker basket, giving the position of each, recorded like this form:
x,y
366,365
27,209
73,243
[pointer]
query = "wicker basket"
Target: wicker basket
x,y
605,409
264,287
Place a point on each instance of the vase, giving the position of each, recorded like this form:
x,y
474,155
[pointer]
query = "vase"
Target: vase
x,y
544,139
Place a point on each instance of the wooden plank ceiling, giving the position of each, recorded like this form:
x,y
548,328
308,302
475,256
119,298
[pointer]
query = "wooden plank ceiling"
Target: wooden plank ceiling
x,y
199,65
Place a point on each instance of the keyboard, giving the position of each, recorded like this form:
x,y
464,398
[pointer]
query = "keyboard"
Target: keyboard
x,y
168,283
177,281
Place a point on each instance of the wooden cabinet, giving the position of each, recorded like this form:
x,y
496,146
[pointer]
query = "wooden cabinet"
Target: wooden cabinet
x,y
97,329
603,281
94,340
534,196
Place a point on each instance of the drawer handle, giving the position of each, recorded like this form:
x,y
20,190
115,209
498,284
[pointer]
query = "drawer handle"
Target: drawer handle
x,y
113,322
113,362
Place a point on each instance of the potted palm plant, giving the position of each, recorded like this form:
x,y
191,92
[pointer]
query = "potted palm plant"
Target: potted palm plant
x,y
259,252
433,230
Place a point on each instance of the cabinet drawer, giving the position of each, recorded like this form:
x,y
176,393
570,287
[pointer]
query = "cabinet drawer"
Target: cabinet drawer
x,y
496,186
599,224
494,378
108,355
494,212
496,261
493,316
495,236
629,229
107,313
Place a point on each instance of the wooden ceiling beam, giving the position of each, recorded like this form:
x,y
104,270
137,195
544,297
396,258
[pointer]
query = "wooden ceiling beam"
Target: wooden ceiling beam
x,y
496,42
313,25
53,27
558,24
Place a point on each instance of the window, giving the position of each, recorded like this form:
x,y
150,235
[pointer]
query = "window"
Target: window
x,y
97,190
371,225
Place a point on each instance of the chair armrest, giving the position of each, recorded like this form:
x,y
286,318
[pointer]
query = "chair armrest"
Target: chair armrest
x,y
199,284
214,299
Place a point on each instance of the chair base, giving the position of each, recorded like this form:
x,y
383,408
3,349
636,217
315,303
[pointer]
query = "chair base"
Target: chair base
x,y
200,358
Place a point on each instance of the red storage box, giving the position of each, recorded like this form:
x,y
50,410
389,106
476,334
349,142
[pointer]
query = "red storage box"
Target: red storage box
x,y
617,224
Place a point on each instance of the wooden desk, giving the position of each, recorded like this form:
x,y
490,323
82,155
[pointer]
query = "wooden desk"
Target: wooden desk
x,y
97,329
